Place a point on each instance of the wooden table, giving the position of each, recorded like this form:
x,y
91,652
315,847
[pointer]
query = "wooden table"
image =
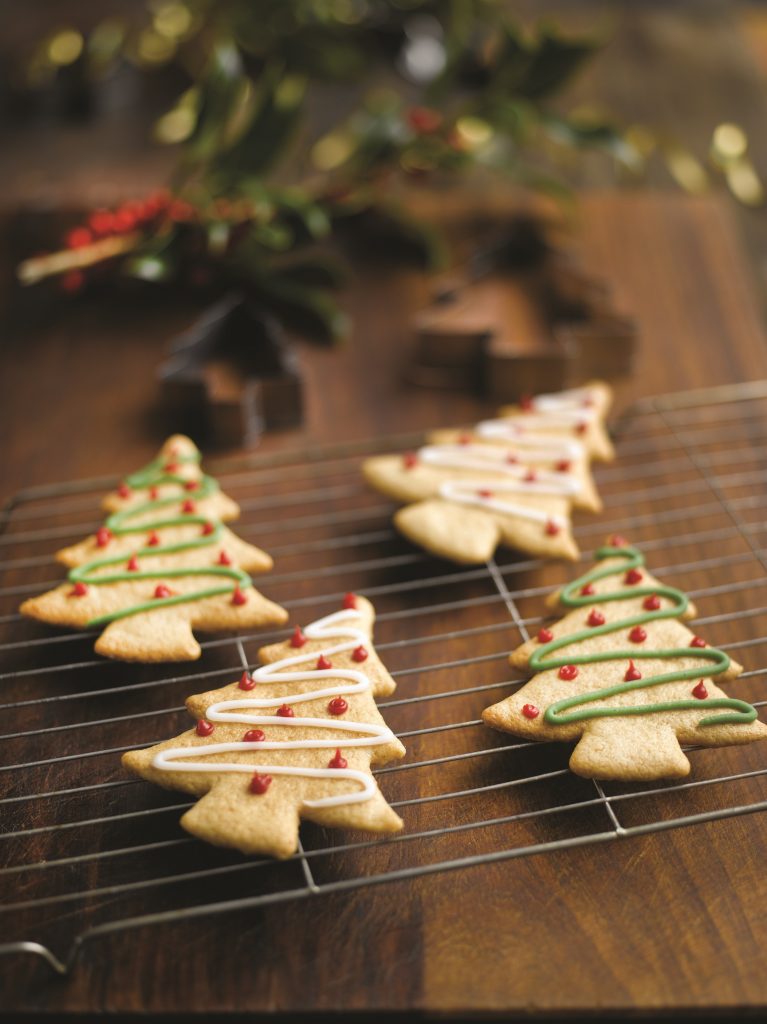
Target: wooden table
x,y
671,921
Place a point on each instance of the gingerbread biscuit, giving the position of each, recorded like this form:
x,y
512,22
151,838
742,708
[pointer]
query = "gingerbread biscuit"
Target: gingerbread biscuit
x,y
162,564
302,748
623,677
508,481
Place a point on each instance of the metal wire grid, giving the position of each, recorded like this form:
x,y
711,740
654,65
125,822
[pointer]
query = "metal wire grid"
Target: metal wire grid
x,y
690,484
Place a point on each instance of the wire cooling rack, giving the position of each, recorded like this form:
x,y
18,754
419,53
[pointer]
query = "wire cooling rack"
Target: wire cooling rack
x,y
88,851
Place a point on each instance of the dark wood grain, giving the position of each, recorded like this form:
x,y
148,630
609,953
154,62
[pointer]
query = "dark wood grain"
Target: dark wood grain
x,y
669,921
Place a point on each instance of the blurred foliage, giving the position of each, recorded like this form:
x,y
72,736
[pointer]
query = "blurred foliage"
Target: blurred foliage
x,y
301,117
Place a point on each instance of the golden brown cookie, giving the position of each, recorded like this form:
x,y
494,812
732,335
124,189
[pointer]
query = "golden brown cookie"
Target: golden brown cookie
x,y
296,739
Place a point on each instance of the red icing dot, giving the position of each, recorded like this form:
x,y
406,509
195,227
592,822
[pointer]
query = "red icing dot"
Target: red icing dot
x,y
484,493
552,528
323,662
124,491
254,736
132,565
581,428
286,711
103,536
191,485
238,597
247,682
526,403
587,589
530,711
359,653
260,783
568,672
651,603
632,673
637,635
153,539
617,541
337,761
171,467
207,528
633,576
700,691
153,492
595,618
512,459
530,476
298,639
204,728
349,601
162,591
698,641
545,635
338,706
188,506
564,466
224,559
78,590
409,460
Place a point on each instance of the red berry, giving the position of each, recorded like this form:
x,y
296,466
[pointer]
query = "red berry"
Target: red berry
x,y
101,222
637,635
208,529
153,492
132,565
698,641
545,635
260,783
409,460
191,485
337,761
78,238
568,672
323,662
564,466
596,618
124,218
204,728
171,467
162,591
587,589
424,120
464,439
238,597
349,601
484,493
124,491
72,281
78,590
285,711
103,536
633,576
552,528
530,711
247,682
700,691
359,653
188,506
224,559
298,639
338,706
526,403
254,736
153,539
651,603
530,476
632,673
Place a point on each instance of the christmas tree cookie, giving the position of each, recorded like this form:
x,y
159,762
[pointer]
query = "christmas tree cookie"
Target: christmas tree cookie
x,y
296,739
162,563
512,480
623,676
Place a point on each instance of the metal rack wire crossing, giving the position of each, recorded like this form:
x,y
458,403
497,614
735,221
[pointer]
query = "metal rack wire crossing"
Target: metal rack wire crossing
x,y
707,438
